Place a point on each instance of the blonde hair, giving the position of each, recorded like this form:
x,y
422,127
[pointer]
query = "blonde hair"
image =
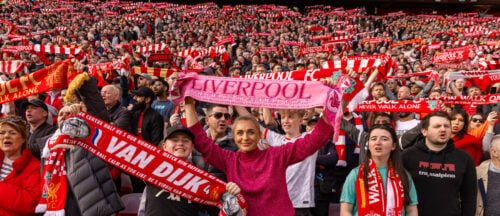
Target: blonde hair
x,y
300,112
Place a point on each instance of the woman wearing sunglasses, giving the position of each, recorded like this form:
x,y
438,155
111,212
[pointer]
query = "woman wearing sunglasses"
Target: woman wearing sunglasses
x,y
380,185
261,174
20,171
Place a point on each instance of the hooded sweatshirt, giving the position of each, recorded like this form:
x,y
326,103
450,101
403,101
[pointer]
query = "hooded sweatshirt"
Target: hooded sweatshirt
x,y
445,180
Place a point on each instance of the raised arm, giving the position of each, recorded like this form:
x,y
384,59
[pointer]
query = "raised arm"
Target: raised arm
x,y
309,144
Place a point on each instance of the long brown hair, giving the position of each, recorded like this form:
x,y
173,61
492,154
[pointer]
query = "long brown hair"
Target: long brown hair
x,y
395,158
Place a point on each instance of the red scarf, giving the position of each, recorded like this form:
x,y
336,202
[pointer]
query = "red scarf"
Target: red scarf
x,y
453,54
54,183
340,144
372,199
419,105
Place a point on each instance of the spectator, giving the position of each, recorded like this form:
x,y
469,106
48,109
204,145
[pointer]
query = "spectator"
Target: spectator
x,y
20,171
119,115
444,176
363,194
39,129
145,123
488,175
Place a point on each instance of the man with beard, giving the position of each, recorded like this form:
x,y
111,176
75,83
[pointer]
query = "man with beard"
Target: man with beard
x,y
162,104
145,123
444,176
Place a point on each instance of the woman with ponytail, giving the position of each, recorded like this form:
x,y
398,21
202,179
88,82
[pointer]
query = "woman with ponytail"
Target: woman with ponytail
x,y
380,185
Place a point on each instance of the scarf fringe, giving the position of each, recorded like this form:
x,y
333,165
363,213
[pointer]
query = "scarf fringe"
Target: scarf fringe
x,y
41,208
55,213
75,85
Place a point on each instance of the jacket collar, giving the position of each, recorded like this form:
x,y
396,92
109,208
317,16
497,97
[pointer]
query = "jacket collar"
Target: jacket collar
x,y
20,163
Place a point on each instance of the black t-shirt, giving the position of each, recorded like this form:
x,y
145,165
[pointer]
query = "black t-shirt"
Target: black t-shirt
x,y
168,203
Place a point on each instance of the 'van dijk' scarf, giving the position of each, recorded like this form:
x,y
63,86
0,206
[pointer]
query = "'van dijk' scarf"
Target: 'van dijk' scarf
x,y
132,155
372,199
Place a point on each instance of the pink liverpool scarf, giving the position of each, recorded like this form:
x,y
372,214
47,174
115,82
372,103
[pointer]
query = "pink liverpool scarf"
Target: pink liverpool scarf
x,y
139,158
278,94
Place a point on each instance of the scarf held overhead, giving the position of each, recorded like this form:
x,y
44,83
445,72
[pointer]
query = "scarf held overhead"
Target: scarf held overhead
x,y
142,159
54,76
278,94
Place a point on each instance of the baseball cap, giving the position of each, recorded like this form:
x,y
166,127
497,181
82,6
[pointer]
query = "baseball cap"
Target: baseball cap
x,y
172,130
36,102
144,91
147,77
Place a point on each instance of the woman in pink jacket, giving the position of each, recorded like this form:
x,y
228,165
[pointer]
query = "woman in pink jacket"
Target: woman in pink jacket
x,y
261,174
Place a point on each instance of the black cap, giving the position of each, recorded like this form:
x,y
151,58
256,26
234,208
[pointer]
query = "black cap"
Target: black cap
x,y
144,91
36,102
172,130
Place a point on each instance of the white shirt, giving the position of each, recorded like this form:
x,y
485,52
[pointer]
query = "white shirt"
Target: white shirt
x,y
402,127
299,176
6,168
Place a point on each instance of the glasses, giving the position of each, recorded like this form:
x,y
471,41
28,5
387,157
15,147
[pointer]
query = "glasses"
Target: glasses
x,y
219,115
477,120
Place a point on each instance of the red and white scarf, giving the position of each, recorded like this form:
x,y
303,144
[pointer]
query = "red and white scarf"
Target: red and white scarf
x,y
13,66
54,184
371,197
340,144
152,48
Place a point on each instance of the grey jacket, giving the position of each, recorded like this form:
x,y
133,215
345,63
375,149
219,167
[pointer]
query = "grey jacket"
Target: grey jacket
x,y
92,191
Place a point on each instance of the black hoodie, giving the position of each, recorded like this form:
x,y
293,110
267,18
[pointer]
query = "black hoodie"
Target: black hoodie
x,y
445,180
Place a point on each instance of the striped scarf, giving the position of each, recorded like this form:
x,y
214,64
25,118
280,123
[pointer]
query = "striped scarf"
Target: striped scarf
x,y
13,67
341,142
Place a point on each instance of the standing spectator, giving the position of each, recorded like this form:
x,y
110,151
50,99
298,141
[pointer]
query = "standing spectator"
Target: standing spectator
x,y
36,115
217,120
488,179
145,123
20,171
118,114
162,104
364,194
445,177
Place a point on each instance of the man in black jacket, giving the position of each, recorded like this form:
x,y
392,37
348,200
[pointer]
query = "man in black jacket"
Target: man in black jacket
x,y
36,112
146,123
217,120
118,114
444,176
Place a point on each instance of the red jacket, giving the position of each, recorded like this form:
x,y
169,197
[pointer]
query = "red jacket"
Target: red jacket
x,y
471,145
20,190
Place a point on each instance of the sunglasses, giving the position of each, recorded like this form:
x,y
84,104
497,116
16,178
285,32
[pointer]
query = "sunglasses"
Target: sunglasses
x,y
477,120
219,115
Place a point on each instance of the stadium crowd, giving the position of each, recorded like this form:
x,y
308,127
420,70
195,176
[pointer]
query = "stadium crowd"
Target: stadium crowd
x,y
418,135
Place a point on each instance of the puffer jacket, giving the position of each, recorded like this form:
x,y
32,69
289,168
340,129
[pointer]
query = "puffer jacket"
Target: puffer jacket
x,y
91,190
21,189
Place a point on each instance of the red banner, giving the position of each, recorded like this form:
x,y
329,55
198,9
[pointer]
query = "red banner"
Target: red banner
x,y
53,76
421,106
454,54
